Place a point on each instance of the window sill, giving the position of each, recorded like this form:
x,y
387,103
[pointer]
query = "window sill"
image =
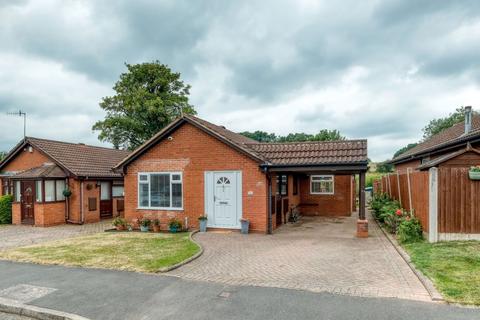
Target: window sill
x,y
160,209
322,193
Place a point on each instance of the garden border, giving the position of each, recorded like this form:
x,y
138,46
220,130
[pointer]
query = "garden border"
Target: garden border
x,y
188,260
426,282
15,307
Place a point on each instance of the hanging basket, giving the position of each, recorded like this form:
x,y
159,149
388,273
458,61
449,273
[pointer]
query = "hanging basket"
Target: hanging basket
x,y
474,175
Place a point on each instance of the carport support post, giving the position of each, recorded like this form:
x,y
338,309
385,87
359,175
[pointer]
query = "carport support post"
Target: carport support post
x,y
362,223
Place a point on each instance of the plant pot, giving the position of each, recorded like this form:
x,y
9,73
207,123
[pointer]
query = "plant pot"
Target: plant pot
x,y
474,175
203,225
173,229
144,228
156,228
245,225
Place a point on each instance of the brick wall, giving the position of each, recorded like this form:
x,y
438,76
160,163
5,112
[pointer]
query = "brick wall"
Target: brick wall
x,y
49,214
193,152
337,204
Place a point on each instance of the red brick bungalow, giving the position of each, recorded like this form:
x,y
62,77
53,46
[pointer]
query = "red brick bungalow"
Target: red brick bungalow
x,y
37,171
193,167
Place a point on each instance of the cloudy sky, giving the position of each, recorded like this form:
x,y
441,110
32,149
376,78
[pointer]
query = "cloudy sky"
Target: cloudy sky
x,y
372,69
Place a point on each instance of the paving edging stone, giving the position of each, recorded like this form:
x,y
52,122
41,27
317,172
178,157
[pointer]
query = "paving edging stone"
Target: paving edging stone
x,y
188,260
18,308
427,283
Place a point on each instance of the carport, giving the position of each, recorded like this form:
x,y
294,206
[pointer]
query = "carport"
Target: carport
x,y
316,179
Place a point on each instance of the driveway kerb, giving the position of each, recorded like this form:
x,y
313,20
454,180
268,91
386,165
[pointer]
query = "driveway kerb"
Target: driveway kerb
x,y
427,283
18,308
188,260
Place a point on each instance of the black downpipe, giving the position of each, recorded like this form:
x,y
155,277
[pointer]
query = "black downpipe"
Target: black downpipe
x,y
269,179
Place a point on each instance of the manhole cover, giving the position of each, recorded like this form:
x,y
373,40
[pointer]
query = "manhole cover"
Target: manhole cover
x,y
25,292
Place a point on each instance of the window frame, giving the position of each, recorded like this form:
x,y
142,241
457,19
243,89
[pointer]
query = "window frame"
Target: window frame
x,y
280,182
322,176
44,193
118,186
148,182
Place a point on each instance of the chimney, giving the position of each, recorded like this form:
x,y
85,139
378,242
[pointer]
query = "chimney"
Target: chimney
x,y
468,119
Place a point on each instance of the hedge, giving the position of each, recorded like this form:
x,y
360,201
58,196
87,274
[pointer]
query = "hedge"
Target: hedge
x,y
6,209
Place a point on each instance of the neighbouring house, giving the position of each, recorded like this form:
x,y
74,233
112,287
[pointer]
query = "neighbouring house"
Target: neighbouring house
x,y
38,171
193,168
443,146
433,180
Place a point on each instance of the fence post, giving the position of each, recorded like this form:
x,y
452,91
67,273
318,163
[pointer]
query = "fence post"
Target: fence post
x,y
409,190
433,205
389,186
399,191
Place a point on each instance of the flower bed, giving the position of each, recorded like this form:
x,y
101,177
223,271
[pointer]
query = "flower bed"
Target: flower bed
x,y
395,219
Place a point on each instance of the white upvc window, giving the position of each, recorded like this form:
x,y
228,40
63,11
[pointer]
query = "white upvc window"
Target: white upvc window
x,y
322,184
160,190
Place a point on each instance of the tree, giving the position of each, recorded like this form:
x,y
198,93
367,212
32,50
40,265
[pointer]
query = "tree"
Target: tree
x,y
3,154
404,149
147,98
322,135
260,136
438,125
384,167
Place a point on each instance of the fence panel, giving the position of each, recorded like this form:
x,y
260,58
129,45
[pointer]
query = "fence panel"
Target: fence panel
x,y
459,201
418,195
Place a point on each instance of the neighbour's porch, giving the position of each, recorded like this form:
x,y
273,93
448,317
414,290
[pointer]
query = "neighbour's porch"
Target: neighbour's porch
x,y
316,191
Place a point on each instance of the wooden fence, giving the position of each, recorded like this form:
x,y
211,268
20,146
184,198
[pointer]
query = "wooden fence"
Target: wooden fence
x,y
411,189
458,201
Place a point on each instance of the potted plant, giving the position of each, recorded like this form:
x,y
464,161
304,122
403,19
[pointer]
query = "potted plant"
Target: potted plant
x,y
129,227
175,225
145,224
156,225
119,223
474,173
203,223
245,223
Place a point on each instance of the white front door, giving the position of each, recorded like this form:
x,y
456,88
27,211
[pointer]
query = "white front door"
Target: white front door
x,y
223,198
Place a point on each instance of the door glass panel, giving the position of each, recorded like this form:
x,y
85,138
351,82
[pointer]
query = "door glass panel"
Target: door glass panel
x,y
105,191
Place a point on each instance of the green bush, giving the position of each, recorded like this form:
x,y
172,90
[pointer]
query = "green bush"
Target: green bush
x,y
6,209
410,230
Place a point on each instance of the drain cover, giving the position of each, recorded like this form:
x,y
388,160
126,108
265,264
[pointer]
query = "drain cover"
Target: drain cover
x,y
25,292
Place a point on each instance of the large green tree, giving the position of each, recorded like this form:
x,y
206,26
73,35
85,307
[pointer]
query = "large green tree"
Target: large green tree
x,y
322,135
147,98
438,125
404,149
3,154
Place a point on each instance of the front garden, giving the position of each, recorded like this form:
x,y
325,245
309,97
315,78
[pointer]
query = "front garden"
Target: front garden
x,y
454,267
133,251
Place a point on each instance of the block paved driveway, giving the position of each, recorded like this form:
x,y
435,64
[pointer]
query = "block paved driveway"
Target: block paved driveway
x,y
18,236
319,254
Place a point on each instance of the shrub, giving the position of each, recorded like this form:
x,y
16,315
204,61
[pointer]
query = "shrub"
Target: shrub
x,y
145,222
175,223
6,209
410,230
119,222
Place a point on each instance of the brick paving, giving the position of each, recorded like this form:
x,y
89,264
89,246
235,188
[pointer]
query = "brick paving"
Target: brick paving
x,y
318,254
19,235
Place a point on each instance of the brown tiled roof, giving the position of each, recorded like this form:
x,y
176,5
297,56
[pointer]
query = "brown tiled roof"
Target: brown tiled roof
x,y
313,153
45,171
300,153
446,137
79,159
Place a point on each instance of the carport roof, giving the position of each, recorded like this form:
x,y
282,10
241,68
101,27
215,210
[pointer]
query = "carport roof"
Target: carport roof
x,y
313,153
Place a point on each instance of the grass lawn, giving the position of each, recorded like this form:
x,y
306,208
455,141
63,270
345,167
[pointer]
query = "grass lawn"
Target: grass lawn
x,y
134,251
454,267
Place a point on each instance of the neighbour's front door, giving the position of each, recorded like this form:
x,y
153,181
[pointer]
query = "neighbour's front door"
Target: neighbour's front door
x,y
105,199
223,193
27,201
